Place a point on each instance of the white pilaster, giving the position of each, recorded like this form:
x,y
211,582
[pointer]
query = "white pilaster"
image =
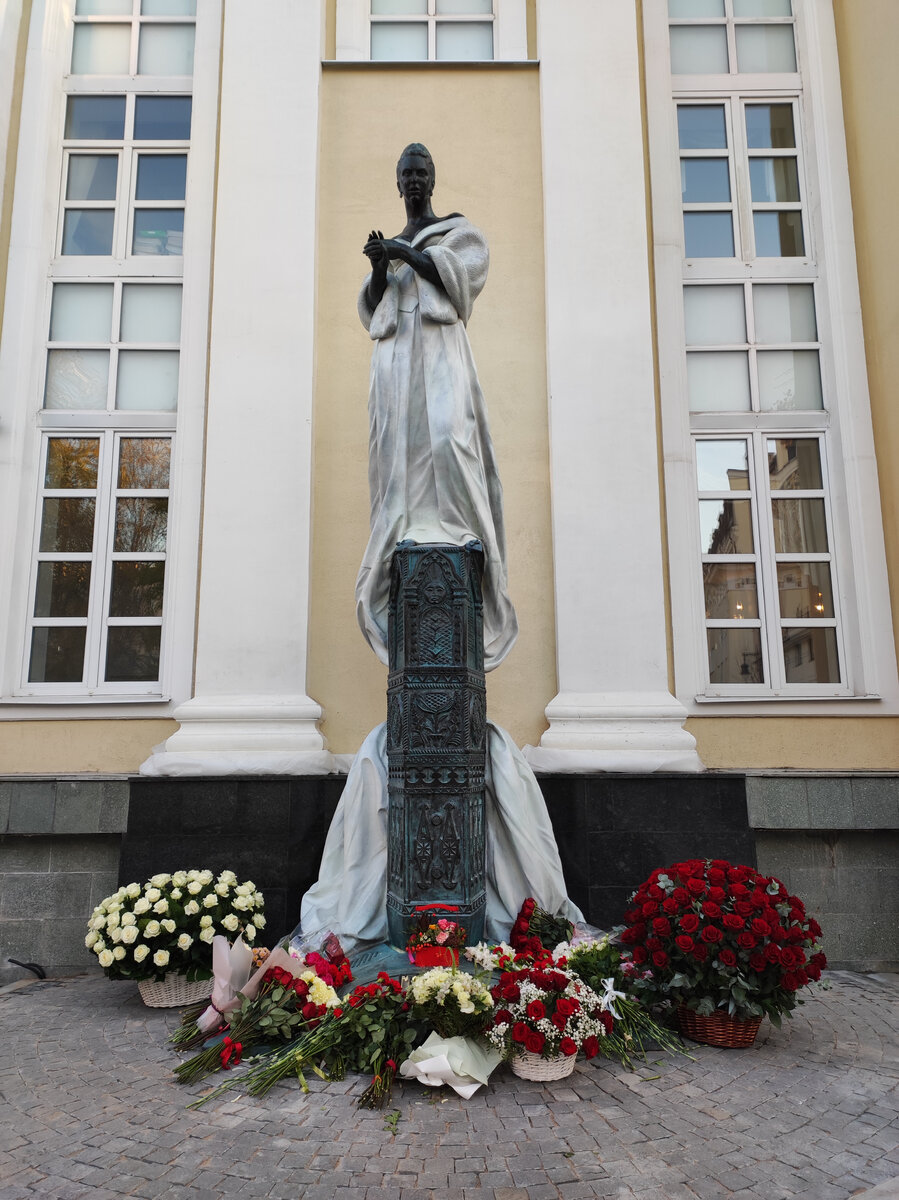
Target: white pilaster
x,y
614,710
249,712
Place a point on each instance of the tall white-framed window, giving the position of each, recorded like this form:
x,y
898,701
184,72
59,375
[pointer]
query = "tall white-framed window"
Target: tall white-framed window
x,y
758,406
432,30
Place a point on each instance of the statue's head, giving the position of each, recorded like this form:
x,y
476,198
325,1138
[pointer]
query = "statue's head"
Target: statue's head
x,y
415,156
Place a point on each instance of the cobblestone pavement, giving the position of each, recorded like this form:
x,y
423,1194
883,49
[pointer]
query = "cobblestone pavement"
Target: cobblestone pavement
x,y
91,1109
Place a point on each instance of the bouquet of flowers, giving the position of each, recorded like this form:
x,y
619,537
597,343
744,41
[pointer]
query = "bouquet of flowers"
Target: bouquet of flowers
x,y
435,942
453,1003
536,930
546,1011
710,935
142,932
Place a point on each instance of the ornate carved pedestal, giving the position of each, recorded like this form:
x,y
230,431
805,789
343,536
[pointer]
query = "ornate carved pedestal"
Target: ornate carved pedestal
x,y
436,736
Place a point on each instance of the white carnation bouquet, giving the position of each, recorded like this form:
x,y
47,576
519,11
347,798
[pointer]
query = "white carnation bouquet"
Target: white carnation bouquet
x,y
452,1002
142,932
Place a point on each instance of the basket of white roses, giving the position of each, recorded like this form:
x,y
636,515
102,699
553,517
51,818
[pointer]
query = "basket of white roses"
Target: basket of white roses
x,y
160,933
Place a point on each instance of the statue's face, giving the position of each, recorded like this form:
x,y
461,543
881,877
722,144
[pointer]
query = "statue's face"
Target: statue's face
x,y
413,178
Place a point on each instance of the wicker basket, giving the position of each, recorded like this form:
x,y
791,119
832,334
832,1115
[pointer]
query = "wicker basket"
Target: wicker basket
x,y
719,1029
532,1066
174,991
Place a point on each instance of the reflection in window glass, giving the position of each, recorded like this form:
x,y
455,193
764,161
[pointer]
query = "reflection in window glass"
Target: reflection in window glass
x,y
137,589
88,231
778,234
794,464
95,118
92,177
400,42
773,179
726,526
82,312
735,656
770,126
804,589
161,176
140,525
810,655
730,591
158,231
722,466
765,48
701,127
144,463
784,312
67,525
57,655
162,118
77,379
799,526
718,382
72,463
132,654
708,235
714,316
63,589
789,380
704,180
698,50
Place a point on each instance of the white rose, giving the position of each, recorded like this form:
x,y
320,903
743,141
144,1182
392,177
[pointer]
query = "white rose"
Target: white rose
x,y
119,953
99,945
185,941
97,923
176,893
161,906
92,937
115,936
168,925
106,958
112,921
210,901
231,922
194,887
205,877
112,905
249,933
179,879
153,894
141,952
227,877
241,903
141,906
152,929
260,920
160,880
205,922
133,891
191,908
161,958
206,935
222,889
243,890
129,934
128,918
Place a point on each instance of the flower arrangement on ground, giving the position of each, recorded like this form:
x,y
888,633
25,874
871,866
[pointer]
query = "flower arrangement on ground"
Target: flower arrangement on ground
x,y
167,924
453,1003
536,930
713,936
435,942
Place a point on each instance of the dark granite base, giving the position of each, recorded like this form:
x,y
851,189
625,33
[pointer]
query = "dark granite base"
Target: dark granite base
x,y
611,832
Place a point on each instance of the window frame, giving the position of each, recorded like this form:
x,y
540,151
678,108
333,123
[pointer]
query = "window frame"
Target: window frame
x,y
510,43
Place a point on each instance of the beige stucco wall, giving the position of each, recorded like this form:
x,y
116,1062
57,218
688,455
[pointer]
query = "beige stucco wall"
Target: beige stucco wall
x,y
76,747
482,127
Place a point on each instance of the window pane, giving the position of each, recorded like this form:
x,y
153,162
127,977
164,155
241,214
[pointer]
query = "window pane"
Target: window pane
x,y
810,655
137,589
804,589
62,589
695,8
87,231
132,654
67,526
714,316
168,8
140,525
698,50
402,8
400,42
144,463
158,231
166,50
704,179
101,50
92,177
718,382
701,127
57,655
735,656
770,126
464,7
785,312
162,118
465,41
773,179
147,380
730,591
161,176
778,234
763,8
97,118
103,8
82,312
77,379
794,464
722,466
72,463
799,526
789,379
726,526
765,48
151,313
708,235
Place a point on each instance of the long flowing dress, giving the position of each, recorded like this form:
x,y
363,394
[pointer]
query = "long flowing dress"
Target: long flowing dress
x,y
432,469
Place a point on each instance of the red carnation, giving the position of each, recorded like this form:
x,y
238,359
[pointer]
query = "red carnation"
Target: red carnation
x,y
568,1047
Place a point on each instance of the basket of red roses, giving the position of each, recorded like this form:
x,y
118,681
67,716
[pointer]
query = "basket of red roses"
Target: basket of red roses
x,y
724,944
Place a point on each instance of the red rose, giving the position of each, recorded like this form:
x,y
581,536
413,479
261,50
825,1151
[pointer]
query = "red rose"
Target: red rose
x,y
638,954
656,892
684,943
711,933
528,907
743,907
700,952
511,992
653,943
568,1047
737,874
739,889
660,958
772,952
670,906
534,1041
818,960
565,1006
502,1017
608,1023
559,1020
757,961
661,926
727,956
790,981
689,922
711,909
717,894
520,1032
814,928
696,886
591,1046
536,1010
309,1011
732,921
762,928
649,909
681,895
747,940
716,875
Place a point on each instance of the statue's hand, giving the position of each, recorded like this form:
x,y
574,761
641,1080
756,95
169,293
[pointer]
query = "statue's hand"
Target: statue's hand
x,y
376,251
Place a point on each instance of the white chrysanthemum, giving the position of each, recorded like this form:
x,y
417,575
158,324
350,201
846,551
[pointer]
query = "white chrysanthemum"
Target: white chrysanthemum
x,y
141,952
142,906
128,918
161,958
206,935
92,937
130,934
210,901
152,929
106,958
231,923
160,881
195,887
185,941
206,922
161,906
191,908
168,925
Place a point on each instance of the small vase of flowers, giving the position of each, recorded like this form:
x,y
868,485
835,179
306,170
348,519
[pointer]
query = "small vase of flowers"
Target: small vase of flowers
x,y
722,943
435,941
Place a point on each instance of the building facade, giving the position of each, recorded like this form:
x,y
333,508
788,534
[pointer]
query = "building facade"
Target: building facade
x,y
686,348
